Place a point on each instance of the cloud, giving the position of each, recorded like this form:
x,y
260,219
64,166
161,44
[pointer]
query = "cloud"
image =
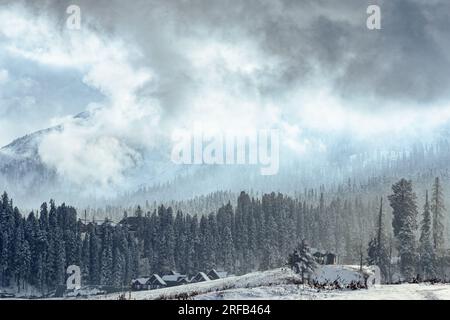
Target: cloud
x,y
4,76
100,149
310,68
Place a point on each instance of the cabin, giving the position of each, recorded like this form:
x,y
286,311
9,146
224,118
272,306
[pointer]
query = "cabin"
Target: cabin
x,y
183,280
175,279
200,277
214,274
139,284
156,282
148,283
330,258
324,257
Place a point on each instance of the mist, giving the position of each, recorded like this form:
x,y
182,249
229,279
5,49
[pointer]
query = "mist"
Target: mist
x,y
140,71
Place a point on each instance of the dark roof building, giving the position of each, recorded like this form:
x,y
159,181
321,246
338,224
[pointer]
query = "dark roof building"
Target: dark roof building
x,y
139,284
148,283
214,274
200,277
174,279
156,282
324,257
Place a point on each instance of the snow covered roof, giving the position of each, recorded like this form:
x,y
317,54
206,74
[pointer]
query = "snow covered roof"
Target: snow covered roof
x,y
156,278
140,280
214,274
201,276
173,278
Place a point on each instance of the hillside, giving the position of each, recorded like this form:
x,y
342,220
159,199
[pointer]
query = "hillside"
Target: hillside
x,y
265,284
285,285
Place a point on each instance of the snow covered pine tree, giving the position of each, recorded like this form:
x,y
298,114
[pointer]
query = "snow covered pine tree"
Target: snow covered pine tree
x,y
302,261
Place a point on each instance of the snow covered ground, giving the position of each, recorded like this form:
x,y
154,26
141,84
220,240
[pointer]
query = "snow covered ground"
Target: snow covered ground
x,y
284,284
382,292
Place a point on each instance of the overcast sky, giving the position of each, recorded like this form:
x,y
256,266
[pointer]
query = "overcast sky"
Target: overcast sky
x,y
147,67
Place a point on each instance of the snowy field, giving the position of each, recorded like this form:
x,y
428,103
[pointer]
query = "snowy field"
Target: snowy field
x,y
284,284
382,292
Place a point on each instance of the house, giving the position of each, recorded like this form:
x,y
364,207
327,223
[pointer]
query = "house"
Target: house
x,y
139,284
183,280
200,277
214,274
148,283
156,282
324,257
330,258
175,279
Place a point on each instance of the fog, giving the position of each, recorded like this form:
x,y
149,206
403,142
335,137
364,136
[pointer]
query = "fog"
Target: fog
x,y
141,70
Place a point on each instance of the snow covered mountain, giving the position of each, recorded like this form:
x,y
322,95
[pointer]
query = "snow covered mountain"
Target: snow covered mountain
x,y
30,180
21,168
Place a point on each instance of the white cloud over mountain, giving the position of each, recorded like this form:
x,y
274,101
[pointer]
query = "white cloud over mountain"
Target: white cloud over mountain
x,y
147,68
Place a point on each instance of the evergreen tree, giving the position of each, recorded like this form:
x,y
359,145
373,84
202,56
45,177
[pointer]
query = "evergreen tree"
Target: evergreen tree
x,y
120,247
270,258
94,257
228,257
302,261
403,203
426,249
6,240
85,259
438,212
167,240
106,260
377,253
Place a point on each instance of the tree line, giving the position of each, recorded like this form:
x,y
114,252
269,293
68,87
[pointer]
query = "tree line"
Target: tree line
x,y
255,234
36,250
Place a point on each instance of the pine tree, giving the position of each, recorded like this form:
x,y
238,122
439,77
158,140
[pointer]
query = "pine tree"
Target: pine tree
x,y
438,210
24,262
179,232
60,258
191,245
228,257
212,241
94,255
378,254
133,268
426,249
19,252
85,259
44,245
302,261
34,237
403,203
204,249
271,257
119,256
6,238
166,246
106,260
